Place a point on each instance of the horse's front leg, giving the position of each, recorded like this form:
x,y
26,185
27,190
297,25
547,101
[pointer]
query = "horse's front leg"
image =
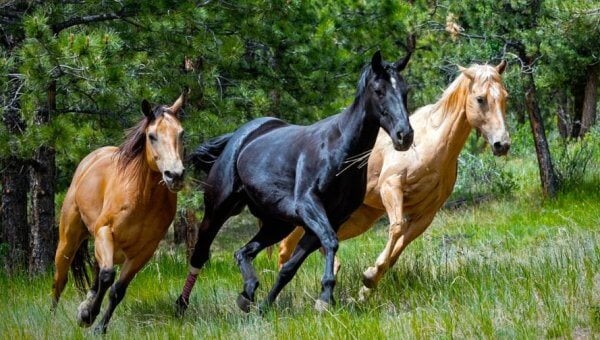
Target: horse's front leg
x,y
128,271
270,233
392,198
315,218
104,251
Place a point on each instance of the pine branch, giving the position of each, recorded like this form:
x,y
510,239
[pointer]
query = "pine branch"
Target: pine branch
x,y
86,111
123,13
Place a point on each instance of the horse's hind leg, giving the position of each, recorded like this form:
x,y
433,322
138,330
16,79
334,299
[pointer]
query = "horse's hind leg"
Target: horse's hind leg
x,y
104,248
214,217
270,233
308,244
72,232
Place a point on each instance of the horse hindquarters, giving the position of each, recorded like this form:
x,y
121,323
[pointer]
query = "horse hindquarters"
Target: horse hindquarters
x,y
69,251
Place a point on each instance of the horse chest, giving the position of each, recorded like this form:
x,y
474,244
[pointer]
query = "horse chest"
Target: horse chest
x,y
143,227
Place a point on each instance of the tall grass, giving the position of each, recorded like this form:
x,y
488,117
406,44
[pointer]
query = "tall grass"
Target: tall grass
x,y
517,267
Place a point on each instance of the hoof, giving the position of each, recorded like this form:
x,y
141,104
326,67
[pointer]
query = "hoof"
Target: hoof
x,y
181,306
84,316
364,293
369,277
244,303
321,306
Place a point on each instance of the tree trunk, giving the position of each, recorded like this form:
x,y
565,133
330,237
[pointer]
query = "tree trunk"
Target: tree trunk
x,y
562,114
13,210
588,114
192,231
43,230
180,227
14,213
547,173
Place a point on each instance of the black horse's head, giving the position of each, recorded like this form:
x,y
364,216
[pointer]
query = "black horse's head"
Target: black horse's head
x,y
386,93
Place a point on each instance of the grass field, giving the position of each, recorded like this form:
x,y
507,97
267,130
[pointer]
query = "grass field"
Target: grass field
x,y
515,267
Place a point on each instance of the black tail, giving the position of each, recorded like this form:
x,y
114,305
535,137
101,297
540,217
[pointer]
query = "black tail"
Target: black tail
x,y
206,154
79,267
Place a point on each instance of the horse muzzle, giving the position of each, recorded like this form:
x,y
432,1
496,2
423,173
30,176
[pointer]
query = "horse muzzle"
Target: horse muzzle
x,y
173,180
500,148
402,140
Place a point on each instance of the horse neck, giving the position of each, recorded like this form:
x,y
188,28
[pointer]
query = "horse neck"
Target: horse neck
x,y
448,121
358,128
145,181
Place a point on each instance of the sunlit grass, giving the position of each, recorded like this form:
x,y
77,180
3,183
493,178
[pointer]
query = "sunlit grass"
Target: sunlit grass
x,y
518,267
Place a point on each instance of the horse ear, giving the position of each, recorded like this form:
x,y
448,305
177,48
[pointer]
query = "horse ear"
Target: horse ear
x,y
500,68
401,63
468,73
180,102
377,63
147,109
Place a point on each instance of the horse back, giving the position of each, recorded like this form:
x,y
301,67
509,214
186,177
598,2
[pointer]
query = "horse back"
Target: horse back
x,y
223,178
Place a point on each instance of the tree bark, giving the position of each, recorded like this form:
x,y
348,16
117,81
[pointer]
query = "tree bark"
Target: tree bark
x,y
547,174
43,228
14,213
192,232
588,114
563,123
180,227
577,89
13,210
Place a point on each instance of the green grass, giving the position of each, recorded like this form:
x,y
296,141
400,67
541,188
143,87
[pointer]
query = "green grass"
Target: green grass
x,y
511,268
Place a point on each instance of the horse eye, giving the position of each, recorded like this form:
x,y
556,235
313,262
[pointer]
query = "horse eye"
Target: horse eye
x,y
379,93
152,137
480,100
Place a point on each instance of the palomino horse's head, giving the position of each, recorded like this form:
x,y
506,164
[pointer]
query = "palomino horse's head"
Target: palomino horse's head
x,y
386,93
486,104
164,142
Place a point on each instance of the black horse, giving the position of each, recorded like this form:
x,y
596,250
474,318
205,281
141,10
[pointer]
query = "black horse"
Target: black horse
x,y
291,175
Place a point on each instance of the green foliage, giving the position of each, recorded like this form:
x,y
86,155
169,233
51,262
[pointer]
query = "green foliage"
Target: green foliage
x,y
481,175
575,159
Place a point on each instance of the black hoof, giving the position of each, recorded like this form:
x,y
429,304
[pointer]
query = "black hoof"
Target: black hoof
x,y
368,282
84,318
244,303
181,306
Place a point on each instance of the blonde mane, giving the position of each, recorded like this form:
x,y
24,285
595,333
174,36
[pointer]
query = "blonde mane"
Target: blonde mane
x,y
454,98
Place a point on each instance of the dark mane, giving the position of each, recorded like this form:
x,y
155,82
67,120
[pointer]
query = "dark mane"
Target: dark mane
x,y
130,156
362,80
132,147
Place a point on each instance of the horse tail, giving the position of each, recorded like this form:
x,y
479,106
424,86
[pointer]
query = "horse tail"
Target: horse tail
x,y
79,267
207,154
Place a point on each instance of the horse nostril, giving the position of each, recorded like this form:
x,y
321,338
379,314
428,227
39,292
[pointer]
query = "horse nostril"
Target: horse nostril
x,y
168,174
497,145
178,176
400,135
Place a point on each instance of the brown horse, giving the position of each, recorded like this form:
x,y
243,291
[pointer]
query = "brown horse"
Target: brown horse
x,y
125,198
413,185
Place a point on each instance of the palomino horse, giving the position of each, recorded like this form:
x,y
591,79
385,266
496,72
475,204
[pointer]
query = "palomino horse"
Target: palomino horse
x,y
292,175
412,186
125,198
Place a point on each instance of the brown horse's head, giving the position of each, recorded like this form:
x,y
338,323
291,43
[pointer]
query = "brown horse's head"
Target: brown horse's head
x,y
164,142
486,104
